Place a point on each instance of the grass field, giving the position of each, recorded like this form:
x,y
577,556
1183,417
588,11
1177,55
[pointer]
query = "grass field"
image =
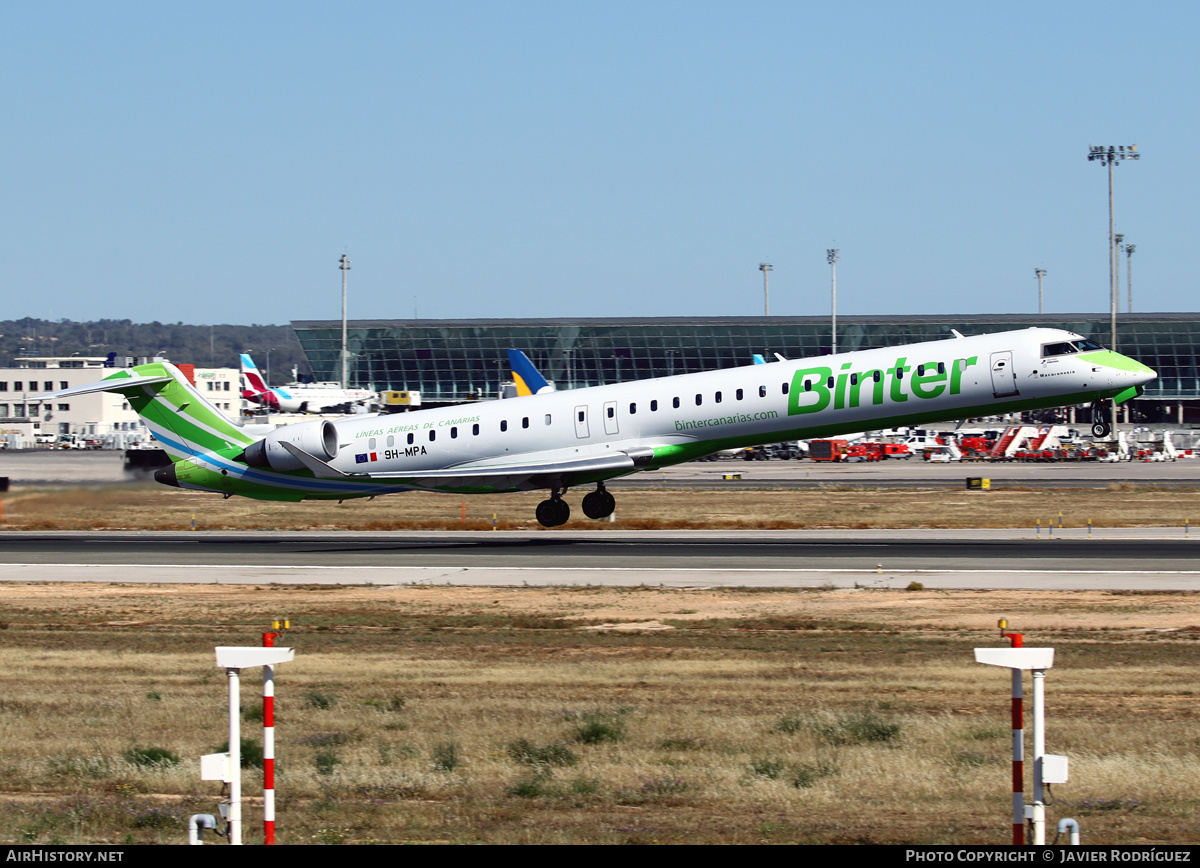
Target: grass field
x,y
595,715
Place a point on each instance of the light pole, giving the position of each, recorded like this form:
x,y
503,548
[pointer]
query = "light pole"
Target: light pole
x,y
344,265
1039,273
1129,248
766,267
831,256
1109,156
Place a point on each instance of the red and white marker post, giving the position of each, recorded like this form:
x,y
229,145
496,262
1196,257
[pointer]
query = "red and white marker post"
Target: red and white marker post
x,y
1017,659
269,735
233,659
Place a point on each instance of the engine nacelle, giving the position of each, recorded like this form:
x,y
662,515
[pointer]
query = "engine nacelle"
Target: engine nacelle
x,y
318,438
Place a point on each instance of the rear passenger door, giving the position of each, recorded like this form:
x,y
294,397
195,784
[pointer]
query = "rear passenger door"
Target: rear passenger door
x,y
581,421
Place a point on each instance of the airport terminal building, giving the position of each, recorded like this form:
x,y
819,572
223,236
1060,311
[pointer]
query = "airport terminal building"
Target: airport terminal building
x,y
454,361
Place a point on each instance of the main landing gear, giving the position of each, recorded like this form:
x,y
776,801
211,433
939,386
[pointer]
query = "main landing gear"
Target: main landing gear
x,y
599,503
553,512
1100,425
596,504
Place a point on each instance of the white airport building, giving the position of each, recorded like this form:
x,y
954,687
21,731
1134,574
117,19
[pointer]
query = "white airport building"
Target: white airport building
x,y
104,419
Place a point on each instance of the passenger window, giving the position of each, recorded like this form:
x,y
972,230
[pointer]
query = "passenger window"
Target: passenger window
x,y
654,406
762,391
371,443
525,422
739,394
432,434
877,376
830,383
941,367
807,385
854,379
547,418
474,431
391,441
718,397
699,399
453,433
503,424
785,388
675,403
410,439
632,409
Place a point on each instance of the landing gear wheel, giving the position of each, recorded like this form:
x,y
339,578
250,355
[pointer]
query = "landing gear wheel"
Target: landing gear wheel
x,y
599,504
1100,426
553,512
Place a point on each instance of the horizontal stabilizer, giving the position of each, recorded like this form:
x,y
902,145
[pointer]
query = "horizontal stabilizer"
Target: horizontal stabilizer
x,y
116,384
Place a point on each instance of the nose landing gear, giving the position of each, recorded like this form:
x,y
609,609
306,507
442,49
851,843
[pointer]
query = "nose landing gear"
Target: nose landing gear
x,y
1100,425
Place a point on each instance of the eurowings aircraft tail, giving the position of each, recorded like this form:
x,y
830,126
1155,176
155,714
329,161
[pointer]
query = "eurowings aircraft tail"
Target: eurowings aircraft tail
x,y
253,382
527,377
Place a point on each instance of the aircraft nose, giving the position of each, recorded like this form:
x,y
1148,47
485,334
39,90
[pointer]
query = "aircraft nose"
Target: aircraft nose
x,y
1139,373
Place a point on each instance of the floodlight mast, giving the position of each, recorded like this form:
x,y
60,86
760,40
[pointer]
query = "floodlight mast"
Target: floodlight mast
x,y
1129,248
1039,273
1110,155
344,265
766,267
831,256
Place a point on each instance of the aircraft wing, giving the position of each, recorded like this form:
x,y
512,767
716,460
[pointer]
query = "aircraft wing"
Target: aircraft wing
x,y
536,474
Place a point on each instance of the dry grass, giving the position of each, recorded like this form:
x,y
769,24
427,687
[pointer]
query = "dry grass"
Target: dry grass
x,y
783,716
156,507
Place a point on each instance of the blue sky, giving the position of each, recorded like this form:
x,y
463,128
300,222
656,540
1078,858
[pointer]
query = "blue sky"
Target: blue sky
x,y
210,162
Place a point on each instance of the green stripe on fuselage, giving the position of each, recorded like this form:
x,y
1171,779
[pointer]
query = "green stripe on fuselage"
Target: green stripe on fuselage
x,y
1109,359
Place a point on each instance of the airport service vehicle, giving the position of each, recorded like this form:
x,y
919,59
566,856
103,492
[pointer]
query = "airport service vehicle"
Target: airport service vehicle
x,y
301,397
583,437
827,450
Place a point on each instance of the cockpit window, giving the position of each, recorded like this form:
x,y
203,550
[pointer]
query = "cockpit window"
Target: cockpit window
x,y
1060,349
1065,348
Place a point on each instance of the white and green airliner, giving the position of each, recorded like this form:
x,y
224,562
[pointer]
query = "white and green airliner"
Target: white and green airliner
x,y
582,437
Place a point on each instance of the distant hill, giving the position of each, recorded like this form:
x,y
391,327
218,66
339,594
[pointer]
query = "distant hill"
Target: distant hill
x,y
215,346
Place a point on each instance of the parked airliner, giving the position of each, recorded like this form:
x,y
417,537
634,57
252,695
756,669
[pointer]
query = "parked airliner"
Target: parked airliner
x,y
561,440
301,397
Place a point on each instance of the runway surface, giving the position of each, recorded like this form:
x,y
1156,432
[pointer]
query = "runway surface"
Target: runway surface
x,y
1114,559
43,468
